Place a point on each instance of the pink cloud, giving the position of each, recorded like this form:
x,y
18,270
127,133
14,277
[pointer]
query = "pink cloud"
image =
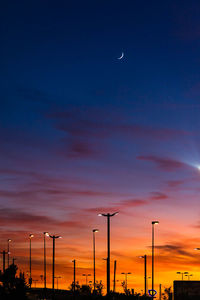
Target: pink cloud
x,y
158,196
118,206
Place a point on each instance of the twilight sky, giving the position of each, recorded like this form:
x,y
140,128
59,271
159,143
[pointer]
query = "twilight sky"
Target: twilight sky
x,y
82,132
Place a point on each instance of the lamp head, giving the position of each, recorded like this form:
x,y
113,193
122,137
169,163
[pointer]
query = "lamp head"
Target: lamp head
x,y
114,214
196,249
95,230
46,233
31,236
155,222
9,240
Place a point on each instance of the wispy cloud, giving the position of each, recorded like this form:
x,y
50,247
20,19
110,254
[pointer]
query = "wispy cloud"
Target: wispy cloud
x,y
87,131
165,164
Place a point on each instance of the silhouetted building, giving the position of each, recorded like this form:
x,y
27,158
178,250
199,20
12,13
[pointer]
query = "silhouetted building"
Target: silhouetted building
x,y
186,290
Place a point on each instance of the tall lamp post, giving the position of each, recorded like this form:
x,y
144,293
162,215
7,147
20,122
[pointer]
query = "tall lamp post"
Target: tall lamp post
x,y
126,278
108,216
153,223
145,273
9,240
94,231
45,268
74,282
86,277
54,237
30,277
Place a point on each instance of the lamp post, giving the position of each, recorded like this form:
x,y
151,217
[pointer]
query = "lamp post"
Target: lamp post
x,y
45,270
94,231
54,237
182,273
4,259
30,278
126,278
145,273
188,276
148,282
74,283
108,216
114,280
9,240
57,277
153,223
86,277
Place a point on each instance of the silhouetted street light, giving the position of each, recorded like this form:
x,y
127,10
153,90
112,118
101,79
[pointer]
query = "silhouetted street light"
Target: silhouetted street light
x,y
126,278
54,237
86,277
108,216
153,223
188,276
145,273
114,280
9,240
57,277
74,282
94,231
35,280
4,259
182,273
30,278
45,270
148,282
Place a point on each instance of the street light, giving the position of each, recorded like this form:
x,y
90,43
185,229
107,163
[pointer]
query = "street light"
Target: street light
x,y
148,282
74,283
30,278
182,273
57,277
126,279
145,273
153,223
94,231
9,240
86,277
45,270
108,216
53,265
188,276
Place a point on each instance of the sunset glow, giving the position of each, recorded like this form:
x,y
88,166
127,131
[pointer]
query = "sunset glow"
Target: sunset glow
x,y
84,134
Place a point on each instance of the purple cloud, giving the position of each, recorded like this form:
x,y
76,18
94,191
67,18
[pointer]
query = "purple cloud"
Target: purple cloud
x,y
165,164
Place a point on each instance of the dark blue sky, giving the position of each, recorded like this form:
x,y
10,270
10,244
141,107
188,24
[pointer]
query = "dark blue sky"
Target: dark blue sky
x,y
83,131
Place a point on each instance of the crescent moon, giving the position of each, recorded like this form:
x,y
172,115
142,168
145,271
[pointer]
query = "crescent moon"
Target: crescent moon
x,y
121,56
